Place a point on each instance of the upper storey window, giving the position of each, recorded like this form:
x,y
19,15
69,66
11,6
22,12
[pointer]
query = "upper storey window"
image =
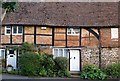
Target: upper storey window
x,y
16,30
114,33
73,31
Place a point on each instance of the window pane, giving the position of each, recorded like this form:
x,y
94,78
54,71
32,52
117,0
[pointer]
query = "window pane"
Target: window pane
x,y
65,53
8,27
61,52
2,54
20,29
14,29
11,51
76,31
8,31
56,52
114,32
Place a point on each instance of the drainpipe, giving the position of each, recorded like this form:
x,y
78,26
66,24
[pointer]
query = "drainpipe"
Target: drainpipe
x,y
99,47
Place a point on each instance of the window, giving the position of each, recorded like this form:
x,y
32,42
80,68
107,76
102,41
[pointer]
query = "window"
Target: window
x,y
114,33
16,30
73,31
2,53
7,30
60,52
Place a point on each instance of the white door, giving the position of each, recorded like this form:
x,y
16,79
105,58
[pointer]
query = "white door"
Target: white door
x,y
74,60
11,58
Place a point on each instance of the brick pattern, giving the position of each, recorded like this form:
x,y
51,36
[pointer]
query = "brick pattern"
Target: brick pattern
x,y
43,31
44,40
60,37
29,29
5,39
17,39
29,38
106,40
59,43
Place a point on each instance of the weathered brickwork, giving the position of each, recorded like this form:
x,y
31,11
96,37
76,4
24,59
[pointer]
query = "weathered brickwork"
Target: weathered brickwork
x,y
47,50
73,43
29,38
44,39
29,29
60,30
5,39
108,56
16,39
73,37
106,40
43,31
59,43
60,37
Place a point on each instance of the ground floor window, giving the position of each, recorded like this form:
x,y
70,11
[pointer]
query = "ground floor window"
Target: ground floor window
x,y
60,52
2,53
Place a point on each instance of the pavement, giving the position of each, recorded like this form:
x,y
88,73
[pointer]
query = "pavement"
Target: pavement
x,y
9,77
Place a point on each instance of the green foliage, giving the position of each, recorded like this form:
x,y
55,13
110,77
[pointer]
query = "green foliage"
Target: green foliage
x,y
113,70
26,47
29,63
32,64
61,66
61,63
63,73
10,6
92,72
43,72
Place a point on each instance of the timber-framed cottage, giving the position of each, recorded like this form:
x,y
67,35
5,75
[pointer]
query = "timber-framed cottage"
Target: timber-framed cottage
x,y
83,32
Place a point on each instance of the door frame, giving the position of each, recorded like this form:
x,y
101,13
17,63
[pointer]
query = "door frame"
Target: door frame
x,y
80,64
79,59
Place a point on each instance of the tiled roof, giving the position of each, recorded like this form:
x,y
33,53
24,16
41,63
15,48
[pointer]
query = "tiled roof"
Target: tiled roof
x,y
64,14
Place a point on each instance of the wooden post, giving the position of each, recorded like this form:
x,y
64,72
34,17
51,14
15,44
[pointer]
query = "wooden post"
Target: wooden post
x,y
99,47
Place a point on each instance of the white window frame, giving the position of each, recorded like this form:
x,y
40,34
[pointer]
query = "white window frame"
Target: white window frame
x,y
114,33
6,30
63,53
12,31
73,31
17,31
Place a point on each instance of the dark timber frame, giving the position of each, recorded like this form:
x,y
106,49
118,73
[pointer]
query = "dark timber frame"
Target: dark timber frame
x,y
89,29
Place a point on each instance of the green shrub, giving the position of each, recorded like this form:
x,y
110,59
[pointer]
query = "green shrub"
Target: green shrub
x,y
43,72
113,70
61,67
92,72
48,63
61,63
29,64
63,73
26,47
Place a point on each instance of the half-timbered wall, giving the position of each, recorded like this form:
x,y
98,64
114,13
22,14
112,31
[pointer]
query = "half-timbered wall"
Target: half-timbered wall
x,y
58,37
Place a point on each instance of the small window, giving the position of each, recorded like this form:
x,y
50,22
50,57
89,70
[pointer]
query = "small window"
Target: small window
x,y
7,30
114,33
2,53
11,51
60,52
16,30
73,31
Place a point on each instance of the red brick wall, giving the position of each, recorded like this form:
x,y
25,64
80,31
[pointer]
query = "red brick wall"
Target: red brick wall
x,y
106,40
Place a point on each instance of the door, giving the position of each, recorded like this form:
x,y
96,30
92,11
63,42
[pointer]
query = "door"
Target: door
x,y
11,58
74,60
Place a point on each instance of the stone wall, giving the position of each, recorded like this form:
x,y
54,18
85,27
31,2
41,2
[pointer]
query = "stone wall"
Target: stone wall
x,y
91,56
